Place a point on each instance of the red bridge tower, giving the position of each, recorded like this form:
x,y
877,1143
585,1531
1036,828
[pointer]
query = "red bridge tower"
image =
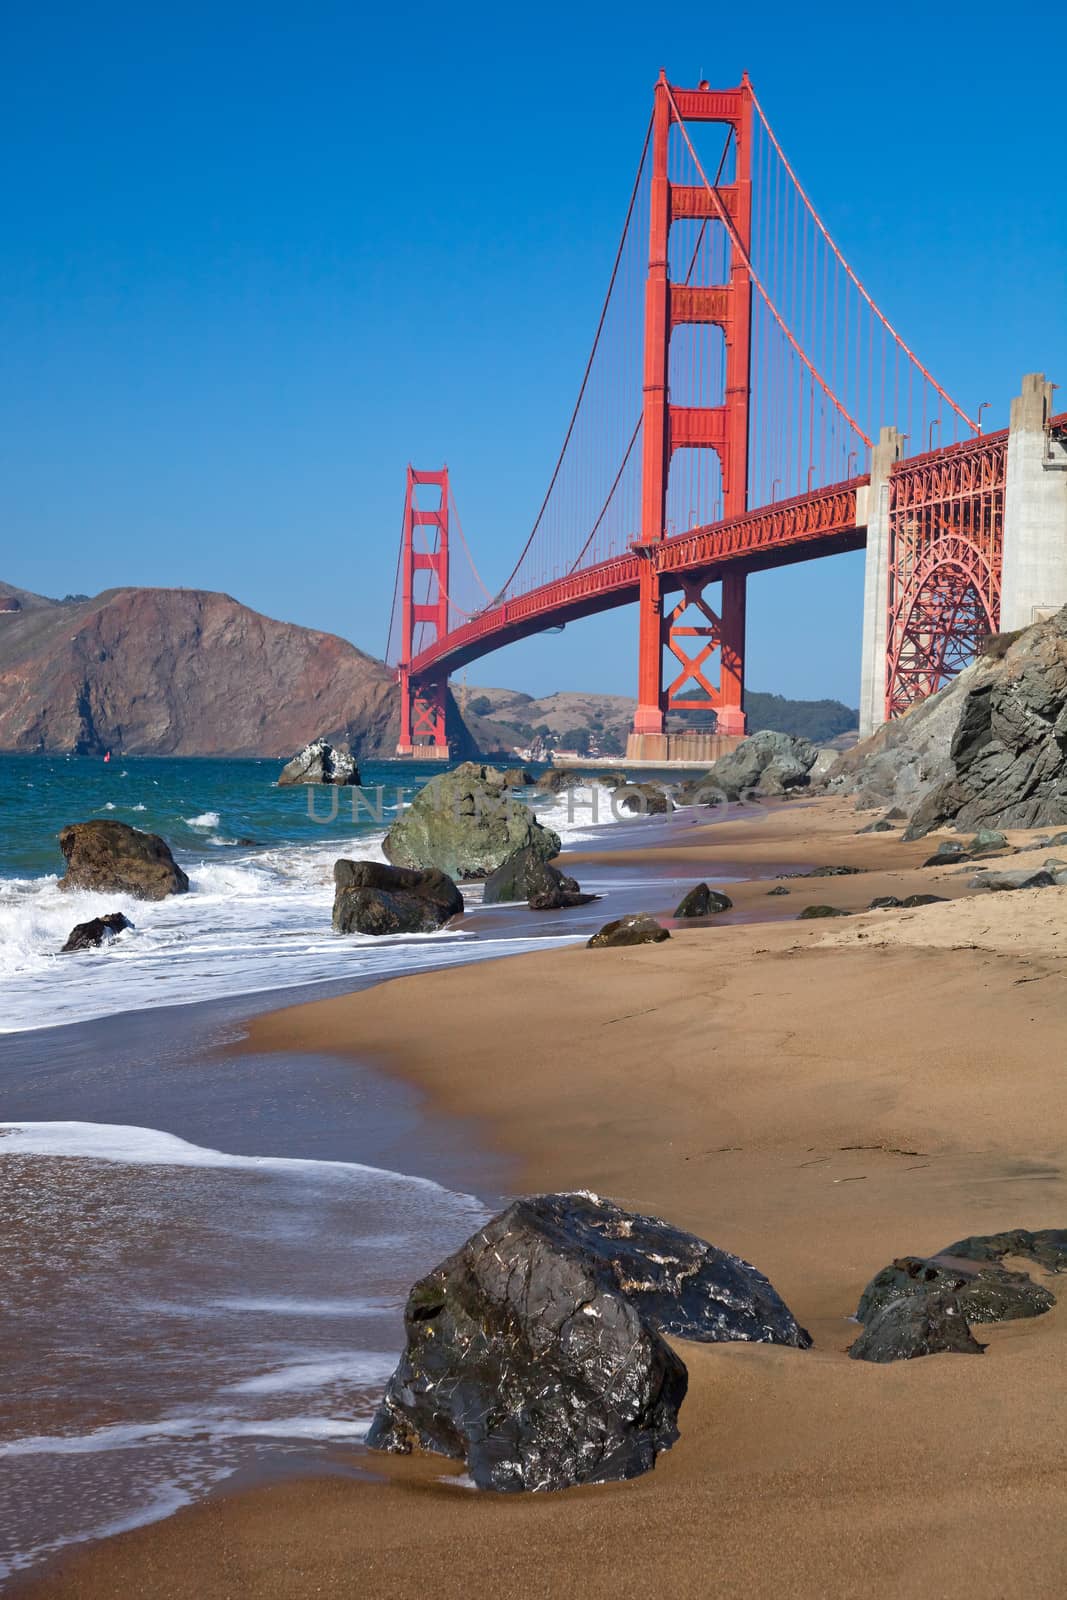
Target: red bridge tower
x,y
423,703
667,427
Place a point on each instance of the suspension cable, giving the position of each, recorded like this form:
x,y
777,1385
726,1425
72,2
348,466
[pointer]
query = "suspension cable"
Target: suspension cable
x,y
883,319
735,239
589,364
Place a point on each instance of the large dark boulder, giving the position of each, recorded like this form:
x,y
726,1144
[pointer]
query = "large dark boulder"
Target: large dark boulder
x,y
376,899
319,762
536,1351
99,930
628,930
703,901
813,913
766,765
524,874
467,823
916,1325
117,859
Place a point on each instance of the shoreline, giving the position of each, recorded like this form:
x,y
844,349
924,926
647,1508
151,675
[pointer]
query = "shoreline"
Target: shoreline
x,y
818,1098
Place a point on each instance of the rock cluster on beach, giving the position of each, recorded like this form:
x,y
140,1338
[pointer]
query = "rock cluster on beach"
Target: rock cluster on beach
x,y
924,1305
467,823
536,1351
319,762
372,898
115,858
990,749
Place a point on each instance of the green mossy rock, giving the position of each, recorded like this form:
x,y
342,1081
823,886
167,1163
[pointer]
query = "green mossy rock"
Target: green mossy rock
x,y
467,823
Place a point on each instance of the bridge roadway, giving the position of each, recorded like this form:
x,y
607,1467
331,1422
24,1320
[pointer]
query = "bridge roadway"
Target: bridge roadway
x,y
824,522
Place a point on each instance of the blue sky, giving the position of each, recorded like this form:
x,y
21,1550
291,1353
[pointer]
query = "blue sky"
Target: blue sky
x,y
254,259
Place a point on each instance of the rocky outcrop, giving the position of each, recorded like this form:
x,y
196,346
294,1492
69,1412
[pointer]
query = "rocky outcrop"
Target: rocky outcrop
x,y
703,901
115,858
375,899
99,930
628,930
922,1305
766,766
319,762
813,913
536,1352
467,823
990,750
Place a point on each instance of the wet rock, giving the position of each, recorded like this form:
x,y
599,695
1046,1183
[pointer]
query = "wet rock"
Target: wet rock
x,y
703,902
560,900
100,930
910,901
1021,879
1045,1246
916,1325
628,930
524,874
319,762
810,913
114,858
375,899
779,888
466,823
947,854
536,1351
644,799
880,825
986,1291
885,902
519,778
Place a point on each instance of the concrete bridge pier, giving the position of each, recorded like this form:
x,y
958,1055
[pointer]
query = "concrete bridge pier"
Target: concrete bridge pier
x,y
1034,565
872,508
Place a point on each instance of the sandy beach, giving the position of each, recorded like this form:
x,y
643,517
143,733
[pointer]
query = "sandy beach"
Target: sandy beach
x,y
818,1097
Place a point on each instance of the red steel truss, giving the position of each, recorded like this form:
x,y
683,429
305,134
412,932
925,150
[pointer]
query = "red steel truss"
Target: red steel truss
x,y
946,534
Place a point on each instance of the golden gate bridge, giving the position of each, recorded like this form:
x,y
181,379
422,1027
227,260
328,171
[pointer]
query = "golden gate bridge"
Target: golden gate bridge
x,y
745,405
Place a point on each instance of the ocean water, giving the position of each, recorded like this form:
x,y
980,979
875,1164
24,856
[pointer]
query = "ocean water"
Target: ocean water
x,y
174,1314
260,861
206,1253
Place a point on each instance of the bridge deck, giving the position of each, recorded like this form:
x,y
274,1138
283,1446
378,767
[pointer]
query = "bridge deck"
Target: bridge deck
x,y
809,525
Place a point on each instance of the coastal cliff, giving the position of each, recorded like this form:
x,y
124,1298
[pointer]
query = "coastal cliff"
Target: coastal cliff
x,y
181,672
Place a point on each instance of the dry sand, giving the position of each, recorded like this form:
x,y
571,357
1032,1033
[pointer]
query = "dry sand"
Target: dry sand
x,y
816,1097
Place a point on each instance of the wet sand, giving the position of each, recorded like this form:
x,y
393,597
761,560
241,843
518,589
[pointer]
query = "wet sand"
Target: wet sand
x,y
818,1097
